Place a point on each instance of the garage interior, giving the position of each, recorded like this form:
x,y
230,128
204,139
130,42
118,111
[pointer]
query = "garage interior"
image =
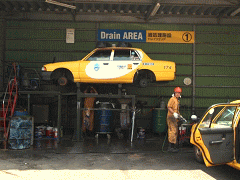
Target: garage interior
x,y
33,33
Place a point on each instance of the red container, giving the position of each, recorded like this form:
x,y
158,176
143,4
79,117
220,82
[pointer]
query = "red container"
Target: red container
x,y
182,131
49,132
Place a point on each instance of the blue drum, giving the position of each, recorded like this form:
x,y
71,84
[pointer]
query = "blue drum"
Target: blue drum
x,y
104,121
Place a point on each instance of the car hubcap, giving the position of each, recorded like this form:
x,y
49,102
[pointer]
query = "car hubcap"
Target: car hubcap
x,y
62,81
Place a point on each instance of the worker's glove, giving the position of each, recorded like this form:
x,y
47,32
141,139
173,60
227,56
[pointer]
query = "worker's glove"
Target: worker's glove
x,y
175,115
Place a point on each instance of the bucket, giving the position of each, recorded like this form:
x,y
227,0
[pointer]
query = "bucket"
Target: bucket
x,y
141,133
38,132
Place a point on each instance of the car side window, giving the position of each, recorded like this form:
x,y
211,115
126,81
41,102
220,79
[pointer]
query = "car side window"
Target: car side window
x,y
134,55
225,117
211,114
219,117
122,55
100,55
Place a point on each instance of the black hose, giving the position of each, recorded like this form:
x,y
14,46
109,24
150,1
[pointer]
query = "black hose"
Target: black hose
x,y
164,143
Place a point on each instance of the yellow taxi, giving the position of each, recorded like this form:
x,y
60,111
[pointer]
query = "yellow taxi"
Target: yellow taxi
x,y
111,65
216,136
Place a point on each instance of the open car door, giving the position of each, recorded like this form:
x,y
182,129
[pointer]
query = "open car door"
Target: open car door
x,y
214,135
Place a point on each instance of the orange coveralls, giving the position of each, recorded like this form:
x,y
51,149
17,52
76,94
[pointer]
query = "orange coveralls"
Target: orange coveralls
x,y
171,121
88,115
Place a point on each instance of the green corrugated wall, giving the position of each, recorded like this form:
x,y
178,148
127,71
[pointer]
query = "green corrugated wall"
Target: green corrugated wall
x,y
217,50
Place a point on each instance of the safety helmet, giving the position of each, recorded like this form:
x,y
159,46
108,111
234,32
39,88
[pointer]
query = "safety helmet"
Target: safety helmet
x,y
178,89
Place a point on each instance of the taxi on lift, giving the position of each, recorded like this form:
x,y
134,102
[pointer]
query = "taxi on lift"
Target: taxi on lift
x,y
116,65
216,137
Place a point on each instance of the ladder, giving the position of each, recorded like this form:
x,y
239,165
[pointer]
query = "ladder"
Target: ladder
x,y
9,102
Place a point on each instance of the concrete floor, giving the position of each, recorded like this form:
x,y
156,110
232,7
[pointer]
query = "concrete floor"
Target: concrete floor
x,y
103,144
105,158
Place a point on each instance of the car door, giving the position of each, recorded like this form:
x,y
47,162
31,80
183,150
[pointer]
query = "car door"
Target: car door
x,y
216,134
97,66
124,64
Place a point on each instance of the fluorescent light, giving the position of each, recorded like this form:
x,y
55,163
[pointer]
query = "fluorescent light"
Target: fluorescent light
x,y
155,9
60,4
235,12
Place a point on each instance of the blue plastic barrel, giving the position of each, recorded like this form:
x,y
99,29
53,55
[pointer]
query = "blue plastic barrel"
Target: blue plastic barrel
x,y
104,121
20,132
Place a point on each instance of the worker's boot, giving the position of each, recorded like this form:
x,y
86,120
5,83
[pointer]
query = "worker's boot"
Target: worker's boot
x,y
170,147
175,148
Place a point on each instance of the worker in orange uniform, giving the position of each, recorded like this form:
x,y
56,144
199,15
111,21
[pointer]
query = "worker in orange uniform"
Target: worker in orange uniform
x,y
88,114
172,119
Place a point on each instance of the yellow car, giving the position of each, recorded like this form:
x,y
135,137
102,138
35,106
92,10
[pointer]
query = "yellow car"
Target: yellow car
x,y
216,137
111,65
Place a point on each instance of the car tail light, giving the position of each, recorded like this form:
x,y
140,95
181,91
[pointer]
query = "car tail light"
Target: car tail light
x,y
44,68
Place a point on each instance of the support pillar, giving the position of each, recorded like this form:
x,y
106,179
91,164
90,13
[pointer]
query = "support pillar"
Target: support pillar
x,y
59,116
2,51
79,114
194,73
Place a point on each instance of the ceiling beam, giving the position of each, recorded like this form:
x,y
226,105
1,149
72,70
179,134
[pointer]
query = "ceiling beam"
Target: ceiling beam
x,y
153,10
234,13
118,18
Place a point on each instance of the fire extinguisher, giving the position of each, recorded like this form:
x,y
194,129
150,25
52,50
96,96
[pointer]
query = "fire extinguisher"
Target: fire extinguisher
x,y
55,133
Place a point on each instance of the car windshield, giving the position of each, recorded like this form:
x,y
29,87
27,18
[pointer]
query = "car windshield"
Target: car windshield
x,y
100,55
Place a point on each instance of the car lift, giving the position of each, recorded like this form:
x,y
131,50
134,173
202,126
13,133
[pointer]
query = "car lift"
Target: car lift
x,y
81,95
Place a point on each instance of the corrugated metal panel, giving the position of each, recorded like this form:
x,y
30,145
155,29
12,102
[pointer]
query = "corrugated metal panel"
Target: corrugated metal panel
x,y
217,69
33,44
141,26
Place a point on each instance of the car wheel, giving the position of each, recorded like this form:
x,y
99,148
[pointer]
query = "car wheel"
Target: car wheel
x,y
62,81
198,154
143,82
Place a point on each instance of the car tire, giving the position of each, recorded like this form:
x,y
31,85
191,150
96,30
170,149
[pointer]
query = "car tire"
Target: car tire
x,y
198,155
143,82
62,81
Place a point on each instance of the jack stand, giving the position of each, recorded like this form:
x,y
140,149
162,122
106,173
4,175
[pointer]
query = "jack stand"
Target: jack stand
x,y
119,89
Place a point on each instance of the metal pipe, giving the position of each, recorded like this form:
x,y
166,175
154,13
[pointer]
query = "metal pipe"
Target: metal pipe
x,y
106,109
194,72
29,102
235,76
209,54
205,97
217,86
59,117
79,122
201,75
3,52
221,65
133,122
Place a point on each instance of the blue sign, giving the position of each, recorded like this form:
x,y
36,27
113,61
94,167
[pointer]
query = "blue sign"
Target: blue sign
x,y
122,35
